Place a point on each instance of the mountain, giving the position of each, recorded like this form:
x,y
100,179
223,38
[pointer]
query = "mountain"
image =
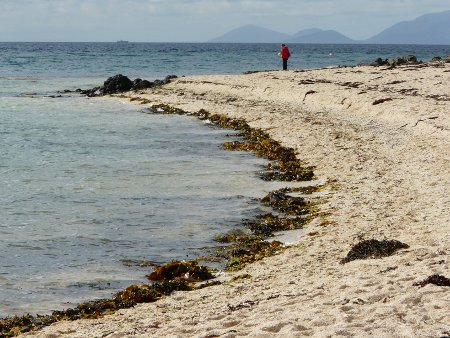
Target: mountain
x,y
252,34
306,32
316,35
427,29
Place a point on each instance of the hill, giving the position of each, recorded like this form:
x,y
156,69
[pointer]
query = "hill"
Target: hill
x,y
427,29
316,35
433,28
252,34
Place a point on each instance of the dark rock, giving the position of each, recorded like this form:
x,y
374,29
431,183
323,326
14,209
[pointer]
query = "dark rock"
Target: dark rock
x,y
379,62
117,84
139,84
411,59
120,83
393,62
436,59
169,78
96,91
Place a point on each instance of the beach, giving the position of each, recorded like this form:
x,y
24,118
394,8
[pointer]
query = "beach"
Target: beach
x,y
379,137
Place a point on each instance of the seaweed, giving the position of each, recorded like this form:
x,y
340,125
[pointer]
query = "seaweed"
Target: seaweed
x,y
127,298
287,204
231,236
180,270
373,248
251,251
436,279
269,223
376,102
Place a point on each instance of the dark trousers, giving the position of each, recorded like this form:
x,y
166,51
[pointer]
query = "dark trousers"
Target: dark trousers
x,y
285,64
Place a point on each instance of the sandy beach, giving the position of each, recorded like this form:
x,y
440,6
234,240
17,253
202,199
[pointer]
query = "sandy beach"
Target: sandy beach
x,y
380,138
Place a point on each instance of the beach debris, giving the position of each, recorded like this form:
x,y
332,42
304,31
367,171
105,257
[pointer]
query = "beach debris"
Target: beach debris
x,y
391,268
351,84
436,279
308,93
373,248
379,101
313,81
242,305
181,270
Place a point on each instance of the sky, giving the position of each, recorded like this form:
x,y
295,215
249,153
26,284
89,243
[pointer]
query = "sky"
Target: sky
x,y
198,20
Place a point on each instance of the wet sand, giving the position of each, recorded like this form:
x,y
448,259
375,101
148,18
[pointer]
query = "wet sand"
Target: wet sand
x,y
380,137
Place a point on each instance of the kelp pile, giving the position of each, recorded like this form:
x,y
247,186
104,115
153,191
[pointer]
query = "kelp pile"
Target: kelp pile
x,y
242,246
373,248
188,271
246,248
438,280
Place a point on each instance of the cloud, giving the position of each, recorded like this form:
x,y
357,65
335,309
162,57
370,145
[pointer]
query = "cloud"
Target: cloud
x,y
197,20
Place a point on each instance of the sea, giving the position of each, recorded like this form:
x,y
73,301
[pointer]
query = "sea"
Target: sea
x,y
91,186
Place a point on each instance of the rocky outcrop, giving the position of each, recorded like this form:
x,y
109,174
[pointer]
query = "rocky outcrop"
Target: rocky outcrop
x,y
120,83
393,62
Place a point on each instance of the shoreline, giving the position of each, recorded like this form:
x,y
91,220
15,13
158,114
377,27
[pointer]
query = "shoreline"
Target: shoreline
x,y
381,136
291,205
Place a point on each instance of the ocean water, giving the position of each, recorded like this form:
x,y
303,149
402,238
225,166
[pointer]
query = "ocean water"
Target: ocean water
x,y
90,183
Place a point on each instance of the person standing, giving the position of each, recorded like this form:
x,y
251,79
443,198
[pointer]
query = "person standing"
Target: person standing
x,y
285,54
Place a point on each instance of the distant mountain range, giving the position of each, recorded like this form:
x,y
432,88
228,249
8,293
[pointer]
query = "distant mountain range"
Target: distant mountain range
x,y
427,29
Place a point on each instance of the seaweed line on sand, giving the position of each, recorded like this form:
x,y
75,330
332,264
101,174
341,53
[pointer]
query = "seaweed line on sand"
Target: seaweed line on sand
x,y
239,247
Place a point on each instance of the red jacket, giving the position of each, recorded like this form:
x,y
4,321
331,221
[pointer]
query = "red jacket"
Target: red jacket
x,y
285,52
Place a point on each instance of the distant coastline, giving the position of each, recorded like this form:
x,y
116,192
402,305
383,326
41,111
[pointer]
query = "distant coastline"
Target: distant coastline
x,y
429,29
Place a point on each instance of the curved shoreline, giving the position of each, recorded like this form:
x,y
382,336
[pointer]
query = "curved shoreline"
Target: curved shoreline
x,y
381,136
239,247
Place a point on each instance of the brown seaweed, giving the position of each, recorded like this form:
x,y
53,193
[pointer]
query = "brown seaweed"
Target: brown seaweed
x,y
436,279
267,224
289,205
373,248
180,270
252,250
127,298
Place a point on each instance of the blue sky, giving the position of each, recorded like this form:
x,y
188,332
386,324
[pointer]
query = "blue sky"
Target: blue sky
x,y
197,20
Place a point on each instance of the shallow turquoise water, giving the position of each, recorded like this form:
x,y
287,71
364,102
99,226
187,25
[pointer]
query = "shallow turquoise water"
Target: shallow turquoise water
x,y
88,183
